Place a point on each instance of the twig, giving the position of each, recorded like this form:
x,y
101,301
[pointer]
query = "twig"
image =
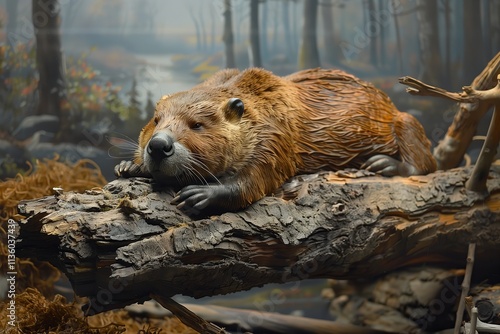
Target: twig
x,y
473,320
465,287
187,317
483,327
468,94
417,87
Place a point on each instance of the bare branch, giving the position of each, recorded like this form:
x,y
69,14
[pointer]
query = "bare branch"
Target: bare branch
x,y
465,287
186,316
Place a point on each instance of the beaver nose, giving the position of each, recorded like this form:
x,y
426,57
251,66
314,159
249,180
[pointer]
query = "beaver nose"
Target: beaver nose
x,y
161,146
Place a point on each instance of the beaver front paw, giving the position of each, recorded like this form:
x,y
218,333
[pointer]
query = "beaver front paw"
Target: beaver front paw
x,y
388,166
129,169
195,198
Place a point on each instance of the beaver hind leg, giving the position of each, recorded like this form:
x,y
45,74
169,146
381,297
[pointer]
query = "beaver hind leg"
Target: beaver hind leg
x,y
413,147
388,166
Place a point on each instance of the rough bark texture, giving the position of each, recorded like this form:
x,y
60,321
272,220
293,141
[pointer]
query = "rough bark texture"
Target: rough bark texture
x,y
120,244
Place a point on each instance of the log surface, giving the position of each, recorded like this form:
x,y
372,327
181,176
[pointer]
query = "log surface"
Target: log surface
x,y
122,243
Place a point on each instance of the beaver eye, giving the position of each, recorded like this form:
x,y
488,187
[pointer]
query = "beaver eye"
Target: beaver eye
x,y
156,120
237,105
196,126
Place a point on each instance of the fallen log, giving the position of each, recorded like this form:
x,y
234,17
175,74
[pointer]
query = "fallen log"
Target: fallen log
x,y
122,243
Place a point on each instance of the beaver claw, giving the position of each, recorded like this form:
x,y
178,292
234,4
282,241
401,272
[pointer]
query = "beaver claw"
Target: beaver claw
x,y
129,169
388,166
199,197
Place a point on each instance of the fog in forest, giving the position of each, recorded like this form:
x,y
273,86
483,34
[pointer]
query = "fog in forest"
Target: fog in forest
x,y
118,57
368,38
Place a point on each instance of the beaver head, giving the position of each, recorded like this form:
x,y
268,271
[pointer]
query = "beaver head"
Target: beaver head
x,y
194,137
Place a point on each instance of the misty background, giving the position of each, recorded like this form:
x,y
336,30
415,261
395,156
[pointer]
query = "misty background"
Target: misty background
x,y
138,38
112,60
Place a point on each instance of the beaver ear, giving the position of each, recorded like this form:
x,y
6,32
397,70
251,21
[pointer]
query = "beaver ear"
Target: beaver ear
x,y
234,109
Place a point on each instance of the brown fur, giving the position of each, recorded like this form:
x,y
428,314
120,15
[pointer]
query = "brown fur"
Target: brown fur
x,y
308,121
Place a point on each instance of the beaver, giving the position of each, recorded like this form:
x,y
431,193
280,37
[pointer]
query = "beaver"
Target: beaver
x,y
240,135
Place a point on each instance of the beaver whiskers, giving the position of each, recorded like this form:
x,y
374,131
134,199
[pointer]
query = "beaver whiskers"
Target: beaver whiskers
x,y
122,146
195,162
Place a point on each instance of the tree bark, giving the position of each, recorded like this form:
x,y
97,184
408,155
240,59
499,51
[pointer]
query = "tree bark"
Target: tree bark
x,y
120,244
228,36
309,54
256,60
51,86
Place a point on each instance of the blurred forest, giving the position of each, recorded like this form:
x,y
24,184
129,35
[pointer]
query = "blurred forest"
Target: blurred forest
x,y
87,70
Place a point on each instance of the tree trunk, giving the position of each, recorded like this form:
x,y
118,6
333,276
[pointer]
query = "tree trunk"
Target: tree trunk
x,y
331,44
197,30
48,56
264,30
309,54
373,36
213,29
447,41
289,43
120,244
228,37
203,30
398,36
486,7
495,25
382,8
428,35
473,44
256,60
